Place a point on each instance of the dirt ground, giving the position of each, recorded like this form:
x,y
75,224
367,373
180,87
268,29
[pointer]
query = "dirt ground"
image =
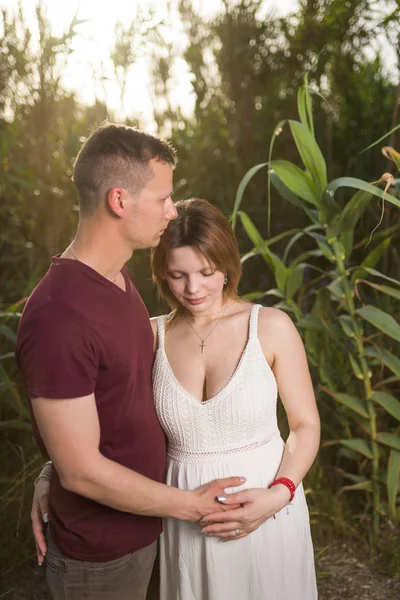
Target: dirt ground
x,y
345,573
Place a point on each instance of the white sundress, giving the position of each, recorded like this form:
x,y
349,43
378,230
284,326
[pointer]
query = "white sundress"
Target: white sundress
x,y
233,433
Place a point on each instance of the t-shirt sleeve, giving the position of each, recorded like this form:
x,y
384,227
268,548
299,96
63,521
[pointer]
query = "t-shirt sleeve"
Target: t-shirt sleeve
x,y
56,352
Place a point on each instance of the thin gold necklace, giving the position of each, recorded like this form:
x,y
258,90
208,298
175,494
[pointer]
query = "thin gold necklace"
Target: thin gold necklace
x,y
203,341
76,258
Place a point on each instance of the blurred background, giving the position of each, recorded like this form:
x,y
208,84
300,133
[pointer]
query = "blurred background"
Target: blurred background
x,y
216,77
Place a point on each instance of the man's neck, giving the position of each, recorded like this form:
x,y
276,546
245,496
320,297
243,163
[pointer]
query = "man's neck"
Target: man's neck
x,y
99,247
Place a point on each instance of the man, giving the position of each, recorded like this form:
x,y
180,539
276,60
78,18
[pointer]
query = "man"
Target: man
x,y
85,352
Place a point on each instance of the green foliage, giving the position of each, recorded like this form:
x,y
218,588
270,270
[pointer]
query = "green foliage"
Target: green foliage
x,y
244,69
351,337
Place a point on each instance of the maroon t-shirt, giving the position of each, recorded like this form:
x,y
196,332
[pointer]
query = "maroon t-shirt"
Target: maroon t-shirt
x,y
81,334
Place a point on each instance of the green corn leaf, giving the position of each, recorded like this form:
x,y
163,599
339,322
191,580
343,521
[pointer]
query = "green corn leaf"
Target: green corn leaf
x,y
365,486
295,238
347,219
261,246
389,439
380,235
381,138
281,272
305,256
311,322
354,478
349,326
356,404
281,236
356,367
388,402
381,275
381,320
323,245
372,259
348,454
347,240
310,153
284,191
304,106
284,306
386,357
294,280
385,289
297,181
249,255
359,184
358,445
251,230
393,481
292,198
278,268
336,288
241,189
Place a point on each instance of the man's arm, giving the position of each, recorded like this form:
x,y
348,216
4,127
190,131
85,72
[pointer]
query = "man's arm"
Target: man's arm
x,y
71,433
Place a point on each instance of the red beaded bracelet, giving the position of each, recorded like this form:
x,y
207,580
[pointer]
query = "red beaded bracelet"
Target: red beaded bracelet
x,y
289,484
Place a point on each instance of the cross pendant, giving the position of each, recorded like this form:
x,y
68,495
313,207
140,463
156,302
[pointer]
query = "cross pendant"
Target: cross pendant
x,y
202,346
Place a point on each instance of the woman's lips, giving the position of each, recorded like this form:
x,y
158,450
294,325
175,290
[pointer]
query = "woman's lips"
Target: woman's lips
x,y
195,300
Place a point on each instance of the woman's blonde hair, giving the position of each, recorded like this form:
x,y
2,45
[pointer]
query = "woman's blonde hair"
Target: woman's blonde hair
x,y
200,225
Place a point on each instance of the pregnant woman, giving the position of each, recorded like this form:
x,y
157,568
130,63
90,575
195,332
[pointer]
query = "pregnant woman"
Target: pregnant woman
x,y
219,365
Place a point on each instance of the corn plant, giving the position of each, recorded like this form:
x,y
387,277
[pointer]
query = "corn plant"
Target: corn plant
x,y
345,311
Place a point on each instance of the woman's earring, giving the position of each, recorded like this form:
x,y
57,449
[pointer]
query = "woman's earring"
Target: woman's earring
x,y
225,279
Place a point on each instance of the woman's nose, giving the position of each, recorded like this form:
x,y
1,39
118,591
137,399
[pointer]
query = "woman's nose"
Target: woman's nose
x,y
192,284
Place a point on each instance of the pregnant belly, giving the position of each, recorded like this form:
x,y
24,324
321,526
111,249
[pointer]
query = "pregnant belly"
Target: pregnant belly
x,y
259,465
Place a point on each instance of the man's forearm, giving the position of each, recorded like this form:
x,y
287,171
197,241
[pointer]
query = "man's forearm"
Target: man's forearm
x,y
114,485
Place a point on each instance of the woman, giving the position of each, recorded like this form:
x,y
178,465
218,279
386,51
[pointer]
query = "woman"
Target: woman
x,y
219,363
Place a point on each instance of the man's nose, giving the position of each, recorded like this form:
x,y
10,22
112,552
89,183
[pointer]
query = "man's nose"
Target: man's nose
x,y
172,213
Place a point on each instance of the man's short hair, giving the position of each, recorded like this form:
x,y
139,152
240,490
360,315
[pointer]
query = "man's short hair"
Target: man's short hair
x,y
116,156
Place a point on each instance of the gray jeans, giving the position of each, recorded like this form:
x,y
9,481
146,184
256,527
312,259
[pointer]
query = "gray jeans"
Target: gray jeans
x,y
126,578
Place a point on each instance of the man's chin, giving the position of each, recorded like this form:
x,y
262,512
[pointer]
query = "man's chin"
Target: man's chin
x,y
156,242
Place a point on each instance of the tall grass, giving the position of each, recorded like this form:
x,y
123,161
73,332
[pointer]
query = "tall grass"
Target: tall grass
x,y
345,309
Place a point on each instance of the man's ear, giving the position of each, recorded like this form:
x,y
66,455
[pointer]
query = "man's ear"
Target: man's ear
x,y
116,201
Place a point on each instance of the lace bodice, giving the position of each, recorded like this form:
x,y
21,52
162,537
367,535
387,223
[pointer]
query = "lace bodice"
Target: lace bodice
x,y
241,414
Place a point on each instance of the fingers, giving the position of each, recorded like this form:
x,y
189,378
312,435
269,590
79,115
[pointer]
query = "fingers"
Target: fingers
x,y
238,498
38,532
229,535
223,517
231,482
222,528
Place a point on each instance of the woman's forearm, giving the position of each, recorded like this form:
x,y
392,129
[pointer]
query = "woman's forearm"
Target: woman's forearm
x,y
300,451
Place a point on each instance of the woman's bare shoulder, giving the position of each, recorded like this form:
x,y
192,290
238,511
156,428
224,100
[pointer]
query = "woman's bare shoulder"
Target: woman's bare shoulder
x,y
275,321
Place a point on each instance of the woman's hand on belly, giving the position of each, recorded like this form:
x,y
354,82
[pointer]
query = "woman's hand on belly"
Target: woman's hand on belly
x,y
257,505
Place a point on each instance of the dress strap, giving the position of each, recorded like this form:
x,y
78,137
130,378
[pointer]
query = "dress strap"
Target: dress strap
x,y
161,331
253,327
